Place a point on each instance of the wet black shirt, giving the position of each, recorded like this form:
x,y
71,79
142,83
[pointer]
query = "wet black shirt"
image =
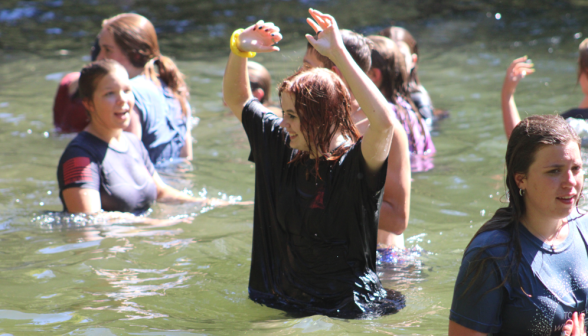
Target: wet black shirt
x,y
123,178
576,113
314,240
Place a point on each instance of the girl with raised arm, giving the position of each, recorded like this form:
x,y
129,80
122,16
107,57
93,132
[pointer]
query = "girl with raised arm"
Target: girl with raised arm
x,y
318,185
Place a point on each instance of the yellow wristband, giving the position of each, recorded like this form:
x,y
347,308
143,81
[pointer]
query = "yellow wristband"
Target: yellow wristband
x,y
235,43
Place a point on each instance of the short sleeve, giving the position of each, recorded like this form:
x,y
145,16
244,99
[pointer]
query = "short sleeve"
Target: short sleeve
x,y
78,170
372,183
263,130
479,307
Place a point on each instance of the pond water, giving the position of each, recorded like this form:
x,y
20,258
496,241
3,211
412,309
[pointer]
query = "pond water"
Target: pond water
x,y
63,275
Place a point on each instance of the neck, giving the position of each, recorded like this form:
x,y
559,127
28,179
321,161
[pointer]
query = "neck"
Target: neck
x,y
336,142
546,229
584,103
134,72
107,135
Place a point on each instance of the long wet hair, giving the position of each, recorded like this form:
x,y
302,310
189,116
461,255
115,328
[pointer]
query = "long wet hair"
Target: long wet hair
x,y
583,59
529,136
136,37
322,103
399,34
387,58
91,75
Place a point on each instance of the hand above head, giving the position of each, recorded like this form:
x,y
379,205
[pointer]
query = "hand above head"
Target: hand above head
x,y
517,70
329,39
259,37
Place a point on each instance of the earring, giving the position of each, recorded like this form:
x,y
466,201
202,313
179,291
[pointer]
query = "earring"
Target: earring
x,y
522,192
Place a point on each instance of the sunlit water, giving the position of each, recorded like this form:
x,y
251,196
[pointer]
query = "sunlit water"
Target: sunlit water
x,y
64,274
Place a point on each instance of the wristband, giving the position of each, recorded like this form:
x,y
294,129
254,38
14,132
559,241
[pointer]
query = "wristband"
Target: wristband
x,y
235,48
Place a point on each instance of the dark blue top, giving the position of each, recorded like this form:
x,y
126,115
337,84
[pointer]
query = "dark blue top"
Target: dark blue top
x,y
124,178
539,297
161,135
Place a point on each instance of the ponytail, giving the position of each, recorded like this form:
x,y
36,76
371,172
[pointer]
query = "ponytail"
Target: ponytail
x,y
171,76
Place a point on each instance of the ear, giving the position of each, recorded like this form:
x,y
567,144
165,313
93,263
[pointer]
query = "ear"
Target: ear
x,y
375,75
258,93
415,59
88,104
521,181
337,71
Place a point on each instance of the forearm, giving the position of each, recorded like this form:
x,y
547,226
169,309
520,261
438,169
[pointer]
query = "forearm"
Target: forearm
x,y
393,218
368,96
167,194
510,113
236,90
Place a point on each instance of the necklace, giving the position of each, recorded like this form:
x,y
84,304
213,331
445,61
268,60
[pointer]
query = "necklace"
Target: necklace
x,y
554,236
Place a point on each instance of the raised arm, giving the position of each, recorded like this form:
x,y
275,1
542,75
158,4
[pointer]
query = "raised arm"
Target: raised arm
x,y
517,70
259,37
378,137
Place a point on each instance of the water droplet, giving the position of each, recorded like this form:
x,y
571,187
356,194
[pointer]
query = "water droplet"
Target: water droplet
x,y
482,212
46,134
41,203
498,16
428,242
17,200
49,192
491,196
30,131
440,233
471,226
577,35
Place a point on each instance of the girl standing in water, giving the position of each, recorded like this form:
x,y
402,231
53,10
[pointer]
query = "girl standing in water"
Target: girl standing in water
x,y
161,118
104,168
525,272
318,184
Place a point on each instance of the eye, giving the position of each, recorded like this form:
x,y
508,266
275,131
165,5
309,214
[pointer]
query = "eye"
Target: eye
x,y
291,116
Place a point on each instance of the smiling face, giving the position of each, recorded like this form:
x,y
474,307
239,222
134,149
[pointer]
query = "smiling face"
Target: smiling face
x,y
291,123
112,101
553,183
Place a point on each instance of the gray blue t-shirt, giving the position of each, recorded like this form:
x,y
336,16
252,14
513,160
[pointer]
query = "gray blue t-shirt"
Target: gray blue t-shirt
x,y
549,285
124,177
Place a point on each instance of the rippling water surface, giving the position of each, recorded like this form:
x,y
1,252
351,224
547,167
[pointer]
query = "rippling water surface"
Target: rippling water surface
x,y
70,275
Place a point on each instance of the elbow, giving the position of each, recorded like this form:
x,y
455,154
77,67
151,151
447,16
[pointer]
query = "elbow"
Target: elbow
x,y
393,218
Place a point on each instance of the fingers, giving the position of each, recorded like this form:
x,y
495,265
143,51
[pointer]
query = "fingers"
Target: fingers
x,y
581,327
313,25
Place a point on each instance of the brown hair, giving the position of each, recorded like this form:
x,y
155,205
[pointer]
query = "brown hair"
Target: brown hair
x,y
530,135
322,103
91,75
356,44
259,78
136,37
583,59
399,34
386,57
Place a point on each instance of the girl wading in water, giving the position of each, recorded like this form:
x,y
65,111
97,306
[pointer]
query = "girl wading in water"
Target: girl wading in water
x,y
318,185
525,272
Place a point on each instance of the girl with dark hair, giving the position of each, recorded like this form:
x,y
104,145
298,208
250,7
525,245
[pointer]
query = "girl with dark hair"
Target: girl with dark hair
x,y
525,272
104,168
410,50
161,118
318,185
388,72
521,67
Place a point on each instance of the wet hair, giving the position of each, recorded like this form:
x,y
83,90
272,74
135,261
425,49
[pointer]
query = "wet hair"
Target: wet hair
x,y
322,103
583,59
387,57
95,50
528,137
259,78
136,37
399,34
356,44
91,75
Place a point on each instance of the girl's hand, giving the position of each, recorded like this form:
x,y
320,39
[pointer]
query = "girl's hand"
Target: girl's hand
x,y
574,326
260,37
517,70
329,40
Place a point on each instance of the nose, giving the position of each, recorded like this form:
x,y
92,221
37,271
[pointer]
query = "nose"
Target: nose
x,y
100,56
284,124
570,178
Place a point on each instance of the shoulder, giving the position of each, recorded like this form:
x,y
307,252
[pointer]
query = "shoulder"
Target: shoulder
x,y
142,84
494,243
581,219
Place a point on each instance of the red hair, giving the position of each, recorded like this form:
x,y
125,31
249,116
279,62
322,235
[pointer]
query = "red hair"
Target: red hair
x,y
322,103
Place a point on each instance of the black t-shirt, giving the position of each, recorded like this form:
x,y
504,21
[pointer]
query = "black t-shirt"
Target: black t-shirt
x,y
314,240
539,297
576,113
123,178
